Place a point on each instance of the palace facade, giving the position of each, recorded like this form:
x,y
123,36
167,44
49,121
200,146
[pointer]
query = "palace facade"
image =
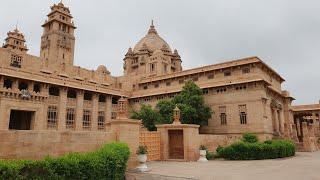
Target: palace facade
x,y
49,93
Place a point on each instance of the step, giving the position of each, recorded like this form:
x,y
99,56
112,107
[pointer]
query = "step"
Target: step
x,y
150,176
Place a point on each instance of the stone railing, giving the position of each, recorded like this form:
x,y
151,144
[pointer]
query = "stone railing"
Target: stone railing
x,y
87,104
10,93
53,99
102,105
72,102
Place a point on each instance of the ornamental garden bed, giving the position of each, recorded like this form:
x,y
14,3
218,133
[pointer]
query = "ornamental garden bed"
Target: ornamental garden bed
x,y
250,149
109,162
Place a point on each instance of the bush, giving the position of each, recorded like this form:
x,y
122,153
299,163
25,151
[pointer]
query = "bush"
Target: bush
x,y
254,151
109,162
249,138
210,155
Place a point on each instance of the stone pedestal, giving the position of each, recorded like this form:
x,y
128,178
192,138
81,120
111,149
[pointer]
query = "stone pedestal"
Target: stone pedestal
x,y
127,130
191,141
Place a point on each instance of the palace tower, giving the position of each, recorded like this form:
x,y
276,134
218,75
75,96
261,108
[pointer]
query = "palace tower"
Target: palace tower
x,y
58,41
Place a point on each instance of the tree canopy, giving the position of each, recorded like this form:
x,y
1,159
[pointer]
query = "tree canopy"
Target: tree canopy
x,y
190,101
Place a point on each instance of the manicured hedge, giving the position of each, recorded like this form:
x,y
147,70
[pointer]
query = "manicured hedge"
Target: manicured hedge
x,y
109,162
257,150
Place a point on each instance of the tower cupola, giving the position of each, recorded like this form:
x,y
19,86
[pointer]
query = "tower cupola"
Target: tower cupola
x,y
15,40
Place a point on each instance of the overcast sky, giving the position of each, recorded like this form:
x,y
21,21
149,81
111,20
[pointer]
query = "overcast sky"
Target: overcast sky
x,y
283,33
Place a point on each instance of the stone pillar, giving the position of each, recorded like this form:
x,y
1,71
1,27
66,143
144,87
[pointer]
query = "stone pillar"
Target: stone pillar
x,y
127,130
95,109
1,81
5,116
281,121
15,85
44,90
62,108
276,121
108,110
294,134
79,110
30,86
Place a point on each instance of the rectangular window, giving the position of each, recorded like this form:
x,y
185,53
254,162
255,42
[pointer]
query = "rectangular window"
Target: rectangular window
x,y
243,114
205,91
227,73
152,67
223,115
223,118
210,76
70,118
245,70
86,120
101,120
52,117
16,61
113,115
181,81
168,83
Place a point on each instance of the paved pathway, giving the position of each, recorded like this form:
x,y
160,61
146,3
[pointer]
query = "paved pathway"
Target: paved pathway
x,y
304,166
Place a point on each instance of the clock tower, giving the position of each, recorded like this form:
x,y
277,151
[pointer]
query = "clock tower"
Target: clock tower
x,y
58,41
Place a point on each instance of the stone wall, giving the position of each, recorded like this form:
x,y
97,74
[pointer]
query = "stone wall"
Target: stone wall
x,y
38,144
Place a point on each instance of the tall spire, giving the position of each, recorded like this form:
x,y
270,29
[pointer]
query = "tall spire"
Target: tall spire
x,y
152,29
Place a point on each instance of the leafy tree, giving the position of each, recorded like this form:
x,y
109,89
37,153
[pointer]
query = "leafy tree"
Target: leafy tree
x,y
165,108
148,116
191,103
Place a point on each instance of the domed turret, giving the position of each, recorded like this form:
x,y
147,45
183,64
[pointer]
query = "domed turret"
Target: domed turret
x,y
151,56
152,41
102,70
16,41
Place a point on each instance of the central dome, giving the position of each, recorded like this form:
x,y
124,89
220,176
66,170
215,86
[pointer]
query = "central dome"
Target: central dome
x,y
152,41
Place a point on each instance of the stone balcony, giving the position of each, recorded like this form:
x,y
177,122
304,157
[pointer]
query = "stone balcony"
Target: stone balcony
x,y
17,94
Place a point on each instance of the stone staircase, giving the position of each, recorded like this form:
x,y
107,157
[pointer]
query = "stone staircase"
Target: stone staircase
x,y
150,176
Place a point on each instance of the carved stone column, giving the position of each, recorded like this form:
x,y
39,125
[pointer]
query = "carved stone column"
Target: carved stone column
x,y
15,85
62,108
95,109
79,110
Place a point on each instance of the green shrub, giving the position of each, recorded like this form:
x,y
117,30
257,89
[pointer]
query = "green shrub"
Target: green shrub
x,y
210,155
219,149
249,138
109,162
253,151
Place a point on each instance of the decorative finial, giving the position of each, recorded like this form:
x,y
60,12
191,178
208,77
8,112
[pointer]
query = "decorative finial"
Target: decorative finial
x,y
176,115
152,30
17,25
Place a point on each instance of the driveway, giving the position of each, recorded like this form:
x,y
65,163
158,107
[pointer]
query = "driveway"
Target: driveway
x,y
304,166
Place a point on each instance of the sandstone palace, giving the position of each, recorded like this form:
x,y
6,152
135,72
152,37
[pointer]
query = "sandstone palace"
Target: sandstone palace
x,y
46,99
